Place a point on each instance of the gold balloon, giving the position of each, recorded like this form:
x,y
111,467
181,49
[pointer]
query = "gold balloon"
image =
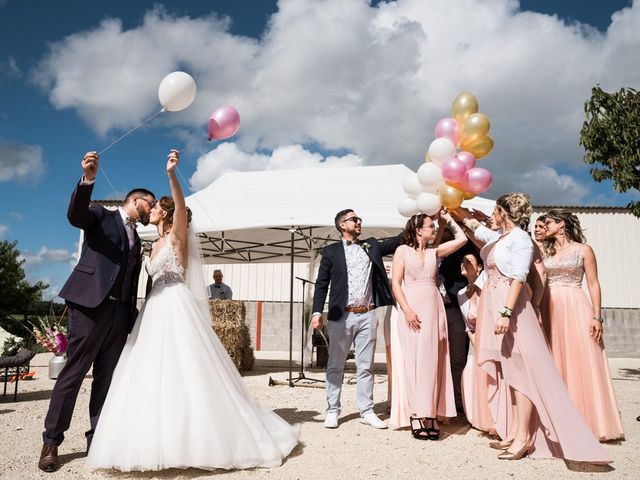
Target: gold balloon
x,y
468,195
450,197
481,147
464,105
427,157
474,128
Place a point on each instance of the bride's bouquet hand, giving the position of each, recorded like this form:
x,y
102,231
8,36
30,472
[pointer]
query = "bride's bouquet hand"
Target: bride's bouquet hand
x,y
172,160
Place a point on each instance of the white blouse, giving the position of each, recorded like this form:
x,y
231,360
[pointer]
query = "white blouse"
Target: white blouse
x,y
513,254
463,300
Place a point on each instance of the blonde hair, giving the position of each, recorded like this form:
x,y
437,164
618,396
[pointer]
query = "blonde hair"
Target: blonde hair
x,y
518,207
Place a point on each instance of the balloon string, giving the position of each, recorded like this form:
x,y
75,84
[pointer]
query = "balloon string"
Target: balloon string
x,y
130,132
195,196
112,187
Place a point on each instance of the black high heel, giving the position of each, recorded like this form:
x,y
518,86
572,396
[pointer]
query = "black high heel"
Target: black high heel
x,y
430,426
419,432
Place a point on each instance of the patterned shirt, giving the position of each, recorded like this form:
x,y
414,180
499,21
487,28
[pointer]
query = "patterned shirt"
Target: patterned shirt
x,y
220,292
359,275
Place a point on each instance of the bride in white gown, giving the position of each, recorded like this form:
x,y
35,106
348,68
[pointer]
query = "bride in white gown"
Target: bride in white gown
x,y
176,399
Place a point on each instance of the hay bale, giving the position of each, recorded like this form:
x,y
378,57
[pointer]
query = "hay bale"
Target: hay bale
x,y
228,321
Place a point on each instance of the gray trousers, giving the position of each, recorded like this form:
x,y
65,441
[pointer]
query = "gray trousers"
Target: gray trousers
x,y
361,330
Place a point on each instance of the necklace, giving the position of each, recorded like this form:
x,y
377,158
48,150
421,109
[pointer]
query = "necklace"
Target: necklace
x,y
559,249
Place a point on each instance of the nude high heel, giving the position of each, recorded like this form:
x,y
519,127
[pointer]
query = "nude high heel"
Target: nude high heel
x,y
501,445
517,455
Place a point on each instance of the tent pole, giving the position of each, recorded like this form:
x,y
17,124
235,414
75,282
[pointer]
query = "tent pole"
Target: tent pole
x,y
292,230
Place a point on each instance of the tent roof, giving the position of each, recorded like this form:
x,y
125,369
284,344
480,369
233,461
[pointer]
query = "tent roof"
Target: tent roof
x,y
248,216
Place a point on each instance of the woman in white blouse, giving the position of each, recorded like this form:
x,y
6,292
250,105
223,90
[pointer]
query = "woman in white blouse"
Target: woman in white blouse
x,y
512,349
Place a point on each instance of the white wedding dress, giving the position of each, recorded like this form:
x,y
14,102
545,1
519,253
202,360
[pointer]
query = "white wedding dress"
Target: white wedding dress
x,y
176,399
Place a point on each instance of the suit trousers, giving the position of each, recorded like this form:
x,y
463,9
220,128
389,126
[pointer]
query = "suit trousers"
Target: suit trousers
x,y
96,335
361,330
458,350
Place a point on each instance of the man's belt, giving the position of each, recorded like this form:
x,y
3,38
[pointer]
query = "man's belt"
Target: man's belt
x,y
361,309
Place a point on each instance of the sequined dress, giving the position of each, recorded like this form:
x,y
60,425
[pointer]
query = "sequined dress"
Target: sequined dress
x,y
582,363
176,399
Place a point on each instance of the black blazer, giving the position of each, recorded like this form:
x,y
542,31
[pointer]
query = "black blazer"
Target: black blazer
x,y
333,270
104,252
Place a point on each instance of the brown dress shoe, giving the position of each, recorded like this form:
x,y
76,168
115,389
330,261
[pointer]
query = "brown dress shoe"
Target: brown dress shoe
x,y
49,458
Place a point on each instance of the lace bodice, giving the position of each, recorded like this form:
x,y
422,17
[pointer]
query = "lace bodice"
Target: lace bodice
x,y
164,268
565,271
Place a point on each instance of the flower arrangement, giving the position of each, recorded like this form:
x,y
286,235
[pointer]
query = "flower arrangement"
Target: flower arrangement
x,y
52,336
365,246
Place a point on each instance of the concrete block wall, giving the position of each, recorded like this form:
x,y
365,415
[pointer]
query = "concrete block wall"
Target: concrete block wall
x,y
621,326
274,326
621,332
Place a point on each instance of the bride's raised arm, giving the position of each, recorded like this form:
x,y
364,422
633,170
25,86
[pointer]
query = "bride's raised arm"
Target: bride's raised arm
x,y
180,216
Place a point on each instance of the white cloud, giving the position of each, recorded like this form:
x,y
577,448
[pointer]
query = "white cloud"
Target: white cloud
x,y
228,157
21,163
9,68
368,80
4,229
47,256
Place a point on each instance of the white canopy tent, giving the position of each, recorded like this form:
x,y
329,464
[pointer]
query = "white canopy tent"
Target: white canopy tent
x,y
253,216
281,216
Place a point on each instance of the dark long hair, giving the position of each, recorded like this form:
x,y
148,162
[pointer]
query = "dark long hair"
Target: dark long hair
x,y
572,229
409,234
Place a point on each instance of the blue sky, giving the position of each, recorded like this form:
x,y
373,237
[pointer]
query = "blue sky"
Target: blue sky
x,y
316,82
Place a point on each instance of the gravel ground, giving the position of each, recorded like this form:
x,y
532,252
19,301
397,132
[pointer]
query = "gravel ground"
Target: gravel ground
x,y
353,450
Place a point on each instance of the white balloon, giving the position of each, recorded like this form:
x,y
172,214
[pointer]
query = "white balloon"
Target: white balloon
x,y
177,91
407,207
441,150
411,185
430,177
428,203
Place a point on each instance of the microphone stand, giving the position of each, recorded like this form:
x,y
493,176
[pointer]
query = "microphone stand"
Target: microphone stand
x,y
301,375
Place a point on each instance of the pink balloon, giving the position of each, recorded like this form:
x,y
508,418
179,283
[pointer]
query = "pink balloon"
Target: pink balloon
x,y
224,122
453,170
480,180
467,158
448,128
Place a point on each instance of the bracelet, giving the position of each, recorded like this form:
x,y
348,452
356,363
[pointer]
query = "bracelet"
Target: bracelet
x,y
505,312
600,319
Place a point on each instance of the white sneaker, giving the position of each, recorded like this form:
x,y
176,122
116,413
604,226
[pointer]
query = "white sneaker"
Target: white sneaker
x,y
373,420
331,420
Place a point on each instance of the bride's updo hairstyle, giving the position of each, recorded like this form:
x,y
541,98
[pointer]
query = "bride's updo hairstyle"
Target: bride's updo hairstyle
x,y
166,203
518,208
572,229
409,234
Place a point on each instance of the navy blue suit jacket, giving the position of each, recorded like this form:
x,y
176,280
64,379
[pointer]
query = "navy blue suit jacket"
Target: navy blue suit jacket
x,y
333,270
104,253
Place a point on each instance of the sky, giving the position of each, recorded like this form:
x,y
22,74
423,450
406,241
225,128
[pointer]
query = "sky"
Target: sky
x,y
317,83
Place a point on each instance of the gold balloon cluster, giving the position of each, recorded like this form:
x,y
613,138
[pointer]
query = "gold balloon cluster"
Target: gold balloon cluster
x,y
474,136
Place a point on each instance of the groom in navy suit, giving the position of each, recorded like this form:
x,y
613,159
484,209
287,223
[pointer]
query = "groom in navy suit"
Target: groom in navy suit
x,y
359,284
101,295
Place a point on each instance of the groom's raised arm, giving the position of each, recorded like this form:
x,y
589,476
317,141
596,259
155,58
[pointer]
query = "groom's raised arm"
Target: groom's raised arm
x,y
389,246
79,213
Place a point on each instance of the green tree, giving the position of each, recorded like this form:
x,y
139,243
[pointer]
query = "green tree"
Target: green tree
x,y
611,139
19,300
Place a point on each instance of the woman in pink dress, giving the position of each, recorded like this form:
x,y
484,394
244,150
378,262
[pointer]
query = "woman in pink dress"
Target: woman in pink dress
x,y
512,347
422,388
574,325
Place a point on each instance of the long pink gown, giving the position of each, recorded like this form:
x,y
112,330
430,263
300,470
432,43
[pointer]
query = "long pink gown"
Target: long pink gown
x,y
582,363
475,388
522,359
422,384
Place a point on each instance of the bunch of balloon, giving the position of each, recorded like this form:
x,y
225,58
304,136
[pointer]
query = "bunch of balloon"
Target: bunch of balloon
x,y
449,175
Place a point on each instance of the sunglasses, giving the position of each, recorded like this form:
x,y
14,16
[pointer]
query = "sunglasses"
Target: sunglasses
x,y
353,219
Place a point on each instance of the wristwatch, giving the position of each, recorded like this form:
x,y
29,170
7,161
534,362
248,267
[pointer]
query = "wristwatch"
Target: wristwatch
x,y
505,312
